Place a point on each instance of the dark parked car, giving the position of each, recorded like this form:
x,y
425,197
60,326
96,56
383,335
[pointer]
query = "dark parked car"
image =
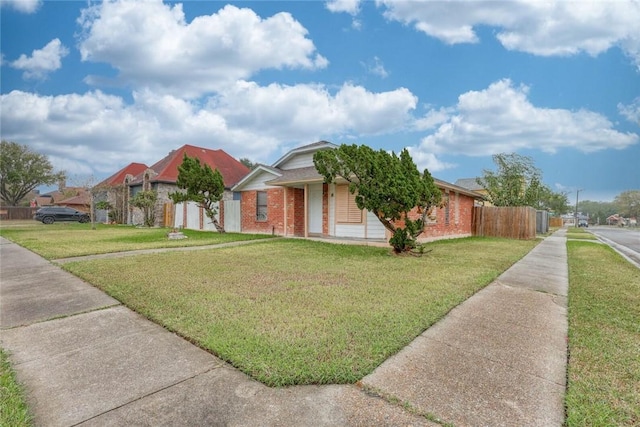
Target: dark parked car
x,y
583,223
49,215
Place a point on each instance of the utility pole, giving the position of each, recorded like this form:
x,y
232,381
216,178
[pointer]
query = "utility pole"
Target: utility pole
x,y
576,215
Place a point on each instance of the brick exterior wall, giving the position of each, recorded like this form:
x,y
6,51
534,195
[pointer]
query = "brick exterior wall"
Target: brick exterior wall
x,y
460,218
275,222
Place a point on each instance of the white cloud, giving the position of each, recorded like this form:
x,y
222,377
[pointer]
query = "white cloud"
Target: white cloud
x,y
632,111
351,7
305,112
152,45
541,28
24,6
42,61
104,133
502,119
376,67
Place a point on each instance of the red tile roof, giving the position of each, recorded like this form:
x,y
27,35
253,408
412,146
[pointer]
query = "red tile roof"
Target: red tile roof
x,y
231,169
117,178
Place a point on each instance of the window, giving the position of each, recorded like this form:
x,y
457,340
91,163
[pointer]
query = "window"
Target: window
x,y
346,209
261,206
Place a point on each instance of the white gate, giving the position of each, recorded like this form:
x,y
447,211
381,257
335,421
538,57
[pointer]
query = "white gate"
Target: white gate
x,y
232,216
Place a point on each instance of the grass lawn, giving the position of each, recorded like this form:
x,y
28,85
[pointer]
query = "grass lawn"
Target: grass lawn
x,y
579,233
604,338
62,240
300,312
13,409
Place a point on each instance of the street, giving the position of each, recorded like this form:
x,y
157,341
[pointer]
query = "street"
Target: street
x,y
624,239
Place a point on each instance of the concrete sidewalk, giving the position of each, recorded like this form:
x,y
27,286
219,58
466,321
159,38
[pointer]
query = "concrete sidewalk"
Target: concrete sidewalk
x,y
497,359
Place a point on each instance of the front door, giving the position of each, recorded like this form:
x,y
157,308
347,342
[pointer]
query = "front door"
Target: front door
x,y
315,209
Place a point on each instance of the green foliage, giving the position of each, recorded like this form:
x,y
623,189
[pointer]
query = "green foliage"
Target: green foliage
x,y
103,205
146,201
517,182
628,203
13,407
22,170
203,186
248,163
597,211
385,184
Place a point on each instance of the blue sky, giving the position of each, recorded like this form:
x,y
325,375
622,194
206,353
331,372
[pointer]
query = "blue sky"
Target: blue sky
x,y
96,86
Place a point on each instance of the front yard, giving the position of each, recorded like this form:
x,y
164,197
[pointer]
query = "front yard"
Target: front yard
x,y
70,239
299,312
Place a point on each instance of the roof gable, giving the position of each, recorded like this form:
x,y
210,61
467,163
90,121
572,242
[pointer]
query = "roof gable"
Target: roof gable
x,y
166,170
309,148
119,177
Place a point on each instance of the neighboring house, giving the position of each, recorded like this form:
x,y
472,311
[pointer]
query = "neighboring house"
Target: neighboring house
x,y
290,198
472,185
115,190
162,177
63,196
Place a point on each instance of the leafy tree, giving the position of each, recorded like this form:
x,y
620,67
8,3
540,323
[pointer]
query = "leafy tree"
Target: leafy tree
x,y
146,201
22,170
517,182
248,163
628,203
598,212
387,185
558,203
203,186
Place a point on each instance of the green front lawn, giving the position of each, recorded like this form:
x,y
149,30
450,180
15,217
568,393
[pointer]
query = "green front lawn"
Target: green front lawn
x,y
300,312
63,240
604,338
13,408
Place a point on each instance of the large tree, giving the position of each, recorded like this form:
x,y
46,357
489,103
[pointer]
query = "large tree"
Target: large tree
x,y
628,203
385,184
202,185
516,182
22,170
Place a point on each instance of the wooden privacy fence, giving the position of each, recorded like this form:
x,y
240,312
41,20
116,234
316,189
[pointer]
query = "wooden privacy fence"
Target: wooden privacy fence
x,y
509,222
17,212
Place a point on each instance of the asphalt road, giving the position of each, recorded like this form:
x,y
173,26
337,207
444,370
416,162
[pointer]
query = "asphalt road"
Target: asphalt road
x,y
623,239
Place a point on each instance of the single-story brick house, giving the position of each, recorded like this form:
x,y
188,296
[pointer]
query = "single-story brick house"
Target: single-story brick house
x,y
162,177
290,198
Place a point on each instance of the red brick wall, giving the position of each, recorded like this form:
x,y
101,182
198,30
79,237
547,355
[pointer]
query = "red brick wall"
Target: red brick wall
x,y
295,212
439,227
275,212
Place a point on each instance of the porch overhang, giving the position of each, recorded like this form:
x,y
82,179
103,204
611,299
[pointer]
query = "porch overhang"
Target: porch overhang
x,y
297,178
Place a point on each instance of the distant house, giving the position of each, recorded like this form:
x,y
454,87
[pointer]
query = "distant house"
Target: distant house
x,y
162,177
74,197
115,190
290,198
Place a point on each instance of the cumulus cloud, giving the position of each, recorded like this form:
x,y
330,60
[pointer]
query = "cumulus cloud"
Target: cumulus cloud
x,y
501,118
541,28
304,112
152,45
105,132
24,6
42,61
632,111
351,7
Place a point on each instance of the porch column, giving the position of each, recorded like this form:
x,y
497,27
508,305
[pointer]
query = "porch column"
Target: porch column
x,y
306,210
284,192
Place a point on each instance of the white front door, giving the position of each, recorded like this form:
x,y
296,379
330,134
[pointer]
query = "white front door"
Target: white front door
x,y
314,211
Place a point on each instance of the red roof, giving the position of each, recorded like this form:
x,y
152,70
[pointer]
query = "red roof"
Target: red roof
x,y
231,169
118,178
